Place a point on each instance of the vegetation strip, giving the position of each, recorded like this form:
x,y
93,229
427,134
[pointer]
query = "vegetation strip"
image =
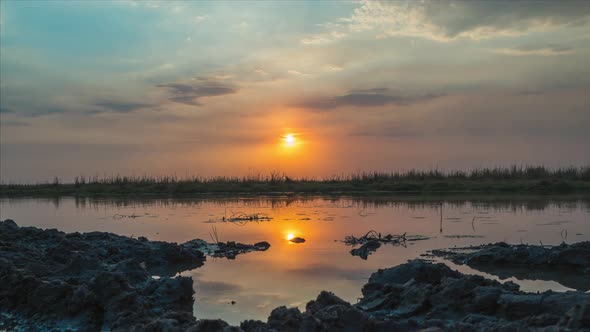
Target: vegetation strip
x,y
486,180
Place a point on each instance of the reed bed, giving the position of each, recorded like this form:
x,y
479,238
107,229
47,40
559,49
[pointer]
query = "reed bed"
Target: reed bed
x,y
497,179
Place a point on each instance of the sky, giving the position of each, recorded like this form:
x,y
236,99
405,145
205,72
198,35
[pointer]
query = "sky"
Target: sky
x,y
214,88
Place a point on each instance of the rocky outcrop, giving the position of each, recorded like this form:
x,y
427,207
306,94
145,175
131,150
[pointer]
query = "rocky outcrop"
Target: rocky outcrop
x,y
568,264
574,256
96,281
228,249
422,296
326,313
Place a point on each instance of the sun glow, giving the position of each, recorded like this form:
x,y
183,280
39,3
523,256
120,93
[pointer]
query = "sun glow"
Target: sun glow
x,y
290,236
289,139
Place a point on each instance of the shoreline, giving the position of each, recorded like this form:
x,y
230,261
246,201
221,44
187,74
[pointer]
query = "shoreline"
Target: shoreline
x,y
581,188
92,281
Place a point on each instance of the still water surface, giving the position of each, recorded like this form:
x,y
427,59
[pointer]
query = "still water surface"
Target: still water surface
x,y
292,274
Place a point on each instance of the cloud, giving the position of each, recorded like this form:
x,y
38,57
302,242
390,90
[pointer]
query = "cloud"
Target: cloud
x,y
142,3
191,93
260,71
189,100
389,131
32,111
333,67
295,72
535,51
93,107
447,20
167,66
222,76
45,112
118,106
362,98
528,93
14,123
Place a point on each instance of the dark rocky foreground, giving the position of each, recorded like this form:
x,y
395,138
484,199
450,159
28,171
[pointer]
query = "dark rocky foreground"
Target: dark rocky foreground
x,y
100,281
567,264
96,280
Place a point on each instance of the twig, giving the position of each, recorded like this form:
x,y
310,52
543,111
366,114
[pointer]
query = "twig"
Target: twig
x,y
215,235
375,236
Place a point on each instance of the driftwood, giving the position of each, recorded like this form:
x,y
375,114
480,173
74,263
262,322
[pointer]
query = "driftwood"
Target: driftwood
x,y
374,236
241,216
366,249
372,241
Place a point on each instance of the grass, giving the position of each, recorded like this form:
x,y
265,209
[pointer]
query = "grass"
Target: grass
x,y
516,179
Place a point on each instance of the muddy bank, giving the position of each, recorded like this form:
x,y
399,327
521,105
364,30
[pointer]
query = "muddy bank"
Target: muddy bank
x,y
421,295
95,281
101,281
566,264
227,250
574,256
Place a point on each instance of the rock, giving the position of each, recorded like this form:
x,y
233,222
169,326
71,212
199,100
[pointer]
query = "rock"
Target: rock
x,y
576,255
93,281
414,293
566,264
323,300
330,313
253,326
419,270
210,325
262,246
9,223
297,240
326,313
229,250
422,296
366,249
577,317
283,319
485,299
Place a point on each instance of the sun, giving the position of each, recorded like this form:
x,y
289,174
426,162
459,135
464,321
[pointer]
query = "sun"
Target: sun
x,y
290,236
289,139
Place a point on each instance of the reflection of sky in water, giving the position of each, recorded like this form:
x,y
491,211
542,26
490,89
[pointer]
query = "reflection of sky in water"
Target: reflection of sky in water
x,y
292,274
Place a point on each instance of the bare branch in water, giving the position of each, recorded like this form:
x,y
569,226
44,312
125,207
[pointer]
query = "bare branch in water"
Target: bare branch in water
x,y
241,218
375,236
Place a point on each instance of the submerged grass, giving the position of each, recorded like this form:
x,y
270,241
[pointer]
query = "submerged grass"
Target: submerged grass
x,y
515,179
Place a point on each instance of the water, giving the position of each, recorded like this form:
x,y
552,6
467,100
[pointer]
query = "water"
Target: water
x,y
292,274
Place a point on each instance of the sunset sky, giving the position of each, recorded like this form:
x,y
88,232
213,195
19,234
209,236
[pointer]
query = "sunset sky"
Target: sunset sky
x,y
215,88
